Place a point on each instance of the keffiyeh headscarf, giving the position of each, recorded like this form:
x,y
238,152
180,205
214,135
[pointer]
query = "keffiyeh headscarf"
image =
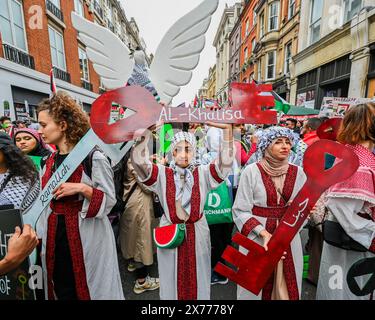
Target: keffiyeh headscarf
x,y
184,189
266,137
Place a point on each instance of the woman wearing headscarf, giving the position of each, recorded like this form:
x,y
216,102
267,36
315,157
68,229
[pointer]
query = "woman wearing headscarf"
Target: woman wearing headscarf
x,y
31,143
185,271
19,184
351,204
265,191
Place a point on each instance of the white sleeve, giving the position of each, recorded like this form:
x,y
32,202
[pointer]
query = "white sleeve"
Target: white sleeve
x,y
346,212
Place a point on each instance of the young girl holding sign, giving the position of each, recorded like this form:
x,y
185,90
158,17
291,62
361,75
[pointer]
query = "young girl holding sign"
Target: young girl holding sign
x,y
78,246
184,270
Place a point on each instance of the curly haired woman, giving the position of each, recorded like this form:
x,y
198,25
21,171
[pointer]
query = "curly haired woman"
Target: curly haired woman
x,y
78,245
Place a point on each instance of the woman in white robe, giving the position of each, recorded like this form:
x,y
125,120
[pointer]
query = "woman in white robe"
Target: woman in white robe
x,y
352,204
79,255
185,272
262,198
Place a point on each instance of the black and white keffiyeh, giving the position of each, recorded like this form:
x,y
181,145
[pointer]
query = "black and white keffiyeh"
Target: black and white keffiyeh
x,y
18,193
183,177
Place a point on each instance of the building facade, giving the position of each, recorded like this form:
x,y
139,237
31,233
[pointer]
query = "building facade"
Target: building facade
x,y
235,47
203,91
211,84
277,41
336,51
248,40
38,35
222,45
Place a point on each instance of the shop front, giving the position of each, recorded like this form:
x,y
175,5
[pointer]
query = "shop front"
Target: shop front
x,y
329,80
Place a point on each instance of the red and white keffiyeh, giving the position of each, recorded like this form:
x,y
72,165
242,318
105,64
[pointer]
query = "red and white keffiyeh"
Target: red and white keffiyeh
x,y
360,185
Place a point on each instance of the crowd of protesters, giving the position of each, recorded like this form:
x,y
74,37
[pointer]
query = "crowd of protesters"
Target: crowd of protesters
x,y
260,166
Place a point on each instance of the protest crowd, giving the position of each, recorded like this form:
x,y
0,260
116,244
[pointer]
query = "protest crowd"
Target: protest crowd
x,y
110,189
177,199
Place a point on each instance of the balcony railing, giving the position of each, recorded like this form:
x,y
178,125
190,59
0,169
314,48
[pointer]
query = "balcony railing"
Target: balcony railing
x,y
55,10
86,85
18,56
98,9
61,74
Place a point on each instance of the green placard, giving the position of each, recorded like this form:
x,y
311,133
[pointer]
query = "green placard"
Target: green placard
x,y
165,138
37,161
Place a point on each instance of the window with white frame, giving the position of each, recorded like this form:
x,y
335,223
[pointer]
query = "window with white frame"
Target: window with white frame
x,y
78,8
237,41
247,28
271,65
83,64
352,7
315,20
56,40
12,24
288,56
245,55
273,16
253,44
291,8
254,18
261,26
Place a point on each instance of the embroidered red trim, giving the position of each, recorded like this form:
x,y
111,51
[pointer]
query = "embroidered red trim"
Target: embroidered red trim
x,y
265,212
48,172
271,224
95,203
372,247
290,275
250,224
76,252
267,290
269,186
69,206
214,173
171,196
187,287
154,176
50,254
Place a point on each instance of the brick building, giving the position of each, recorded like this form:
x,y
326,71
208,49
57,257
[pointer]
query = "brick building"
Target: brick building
x,y
37,35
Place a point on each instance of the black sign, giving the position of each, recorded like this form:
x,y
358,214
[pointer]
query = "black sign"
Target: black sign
x,y
21,112
361,268
14,285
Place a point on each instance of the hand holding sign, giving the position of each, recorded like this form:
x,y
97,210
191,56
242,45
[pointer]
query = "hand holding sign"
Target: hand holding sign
x,y
246,107
255,268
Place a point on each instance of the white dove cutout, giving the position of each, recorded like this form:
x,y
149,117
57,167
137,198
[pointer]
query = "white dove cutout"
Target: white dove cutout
x,y
175,58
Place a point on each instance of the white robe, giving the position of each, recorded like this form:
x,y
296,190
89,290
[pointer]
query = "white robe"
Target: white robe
x,y
168,258
336,262
252,192
96,234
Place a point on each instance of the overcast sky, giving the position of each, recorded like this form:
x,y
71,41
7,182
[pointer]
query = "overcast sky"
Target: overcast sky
x,y
155,17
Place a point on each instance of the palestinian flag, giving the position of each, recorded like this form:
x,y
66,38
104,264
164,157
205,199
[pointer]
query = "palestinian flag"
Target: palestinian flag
x,y
52,83
196,102
281,105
